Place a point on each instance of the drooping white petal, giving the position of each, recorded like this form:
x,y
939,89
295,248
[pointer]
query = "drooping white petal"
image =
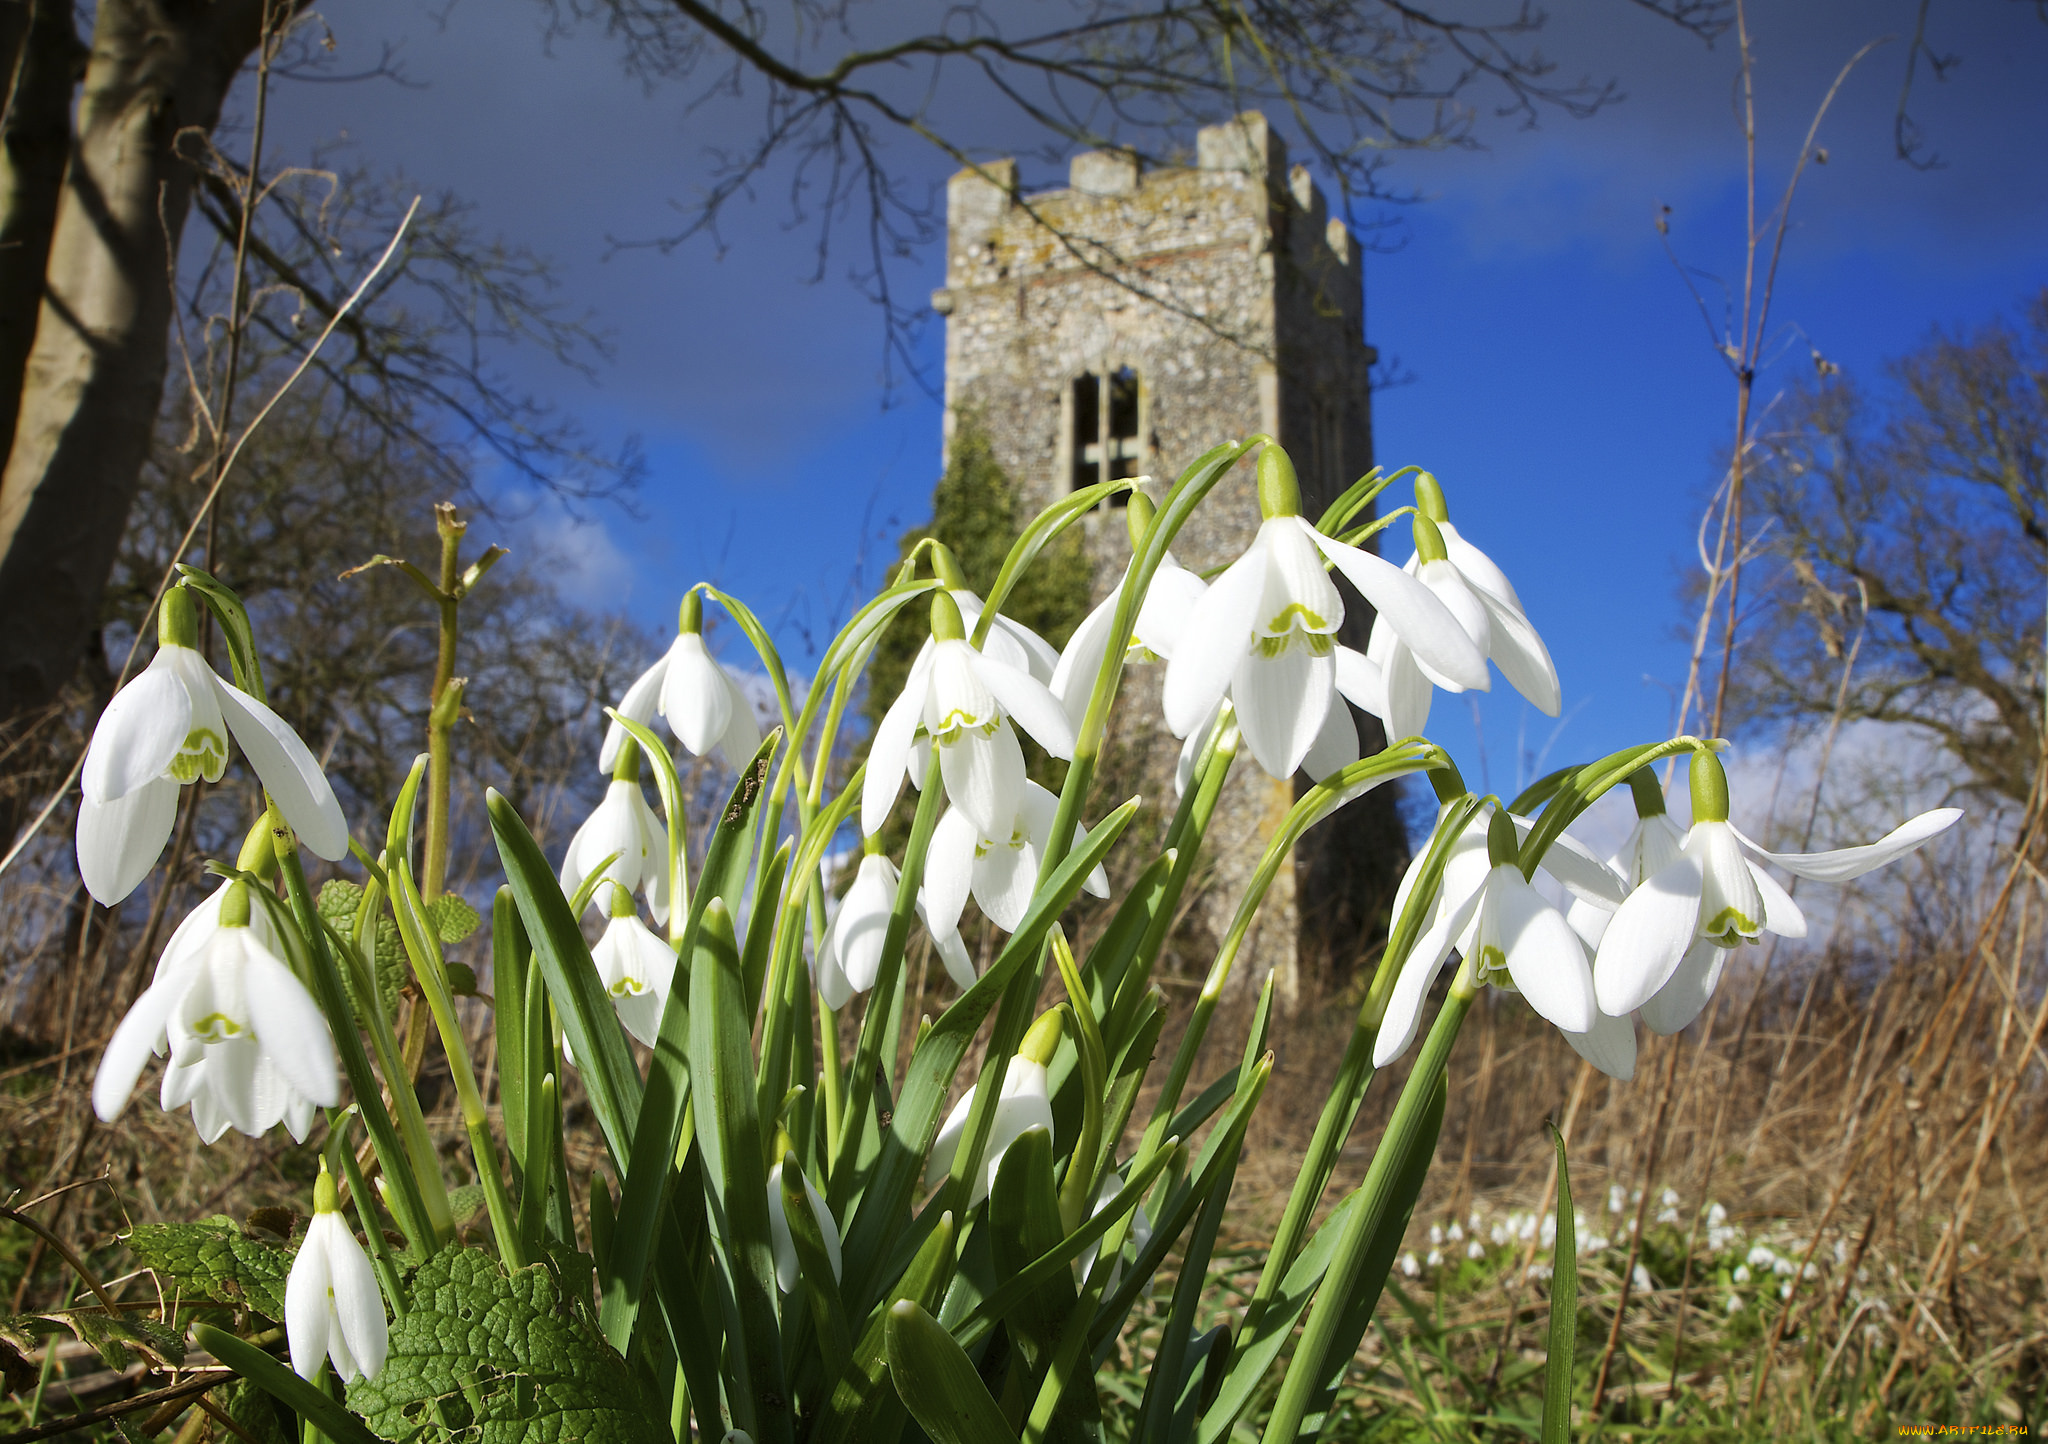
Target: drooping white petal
x,y
1362,681
1028,703
1409,693
1684,996
1073,680
1448,587
288,770
1650,847
695,698
639,704
231,1077
1335,745
889,753
1589,921
308,1313
1647,938
949,869
137,736
865,926
1544,956
1281,702
1478,567
290,1024
984,776
1731,905
1191,750
1844,863
205,749
828,975
1414,613
1005,874
1399,1023
1299,596
128,1051
959,963
1781,915
1217,636
358,1309
1169,602
1610,1046
1572,863
120,841
1521,655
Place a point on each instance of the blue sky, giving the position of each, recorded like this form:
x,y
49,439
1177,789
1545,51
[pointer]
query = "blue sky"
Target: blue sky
x,y
1565,387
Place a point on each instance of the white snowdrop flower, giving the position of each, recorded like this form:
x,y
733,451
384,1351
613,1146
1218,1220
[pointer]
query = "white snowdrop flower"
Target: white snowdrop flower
x,y
171,726
1598,1243
1436,1233
783,1242
1761,1257
965,701
1642,1279
1579,1223
1664,949
1841,1250
1499,1235
1669,1198
1169,600
624,828
1667,1215
1410,1265
1482,600
1733,1305
1717,1216
1140,1236
1455,1233
1784,1268
850,955
637,969
1269,629
331,1306
249,1047
705,708
1741,1274
1548,1234
1435,1259
1542,1272
999,868
1475,1250
1784,1291
1473,1220
1023,1104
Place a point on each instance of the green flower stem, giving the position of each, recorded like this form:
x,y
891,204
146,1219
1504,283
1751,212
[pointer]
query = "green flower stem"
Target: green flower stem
x,y
424,950
447,702
1304,1377
408,1205
1354,1075
882,998
366,1210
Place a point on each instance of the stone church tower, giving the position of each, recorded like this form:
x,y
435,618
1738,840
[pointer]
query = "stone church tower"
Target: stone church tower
x,y
1122,327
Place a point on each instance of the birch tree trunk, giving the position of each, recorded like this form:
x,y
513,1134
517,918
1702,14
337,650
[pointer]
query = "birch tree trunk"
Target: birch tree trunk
x,y
93,376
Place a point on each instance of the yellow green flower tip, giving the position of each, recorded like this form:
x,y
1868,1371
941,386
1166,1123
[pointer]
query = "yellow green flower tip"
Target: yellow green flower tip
x,y
1429,498
326,1198
622,902
234,905
1503,844
1429,542
177,620
1279,490
946,567
257,854
1138,516
1043,1040
946,623
627,768
690,616
1649,796
785,1148
1709,789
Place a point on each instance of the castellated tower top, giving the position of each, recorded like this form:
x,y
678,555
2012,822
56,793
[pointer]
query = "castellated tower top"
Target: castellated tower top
x,y
1123,326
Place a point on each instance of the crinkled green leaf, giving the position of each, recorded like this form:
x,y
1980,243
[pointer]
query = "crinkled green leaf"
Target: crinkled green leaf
x,y
254,1411
215,1260
338,901
453,919
505,1359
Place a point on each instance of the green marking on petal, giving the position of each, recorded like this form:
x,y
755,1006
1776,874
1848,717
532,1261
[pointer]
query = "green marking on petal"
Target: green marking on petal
x,y
1729,923
217,1028
205,752
1493,966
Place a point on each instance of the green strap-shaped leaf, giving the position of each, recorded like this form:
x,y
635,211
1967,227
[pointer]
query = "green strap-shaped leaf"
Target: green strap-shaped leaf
x,y
1023,1223
937,1382
721,1066
864,1404
1563,1342
304,1399
606,1066
828,1313
511,955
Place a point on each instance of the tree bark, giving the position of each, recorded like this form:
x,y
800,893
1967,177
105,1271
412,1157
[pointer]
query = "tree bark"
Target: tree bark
x,y
42,58
94,375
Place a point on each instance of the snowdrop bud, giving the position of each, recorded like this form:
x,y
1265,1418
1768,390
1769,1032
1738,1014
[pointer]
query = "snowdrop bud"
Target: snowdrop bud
x,y
946,623
1042,1041
690,615
1741,1273
1279,491
1429,498
331,1306
1429,542
1137,517
1709,789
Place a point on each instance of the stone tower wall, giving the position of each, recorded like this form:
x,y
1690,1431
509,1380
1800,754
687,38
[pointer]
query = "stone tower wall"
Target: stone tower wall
x,y
1239,303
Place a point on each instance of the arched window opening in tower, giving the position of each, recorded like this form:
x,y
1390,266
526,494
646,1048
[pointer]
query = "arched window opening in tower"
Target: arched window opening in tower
x,y
1105,440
